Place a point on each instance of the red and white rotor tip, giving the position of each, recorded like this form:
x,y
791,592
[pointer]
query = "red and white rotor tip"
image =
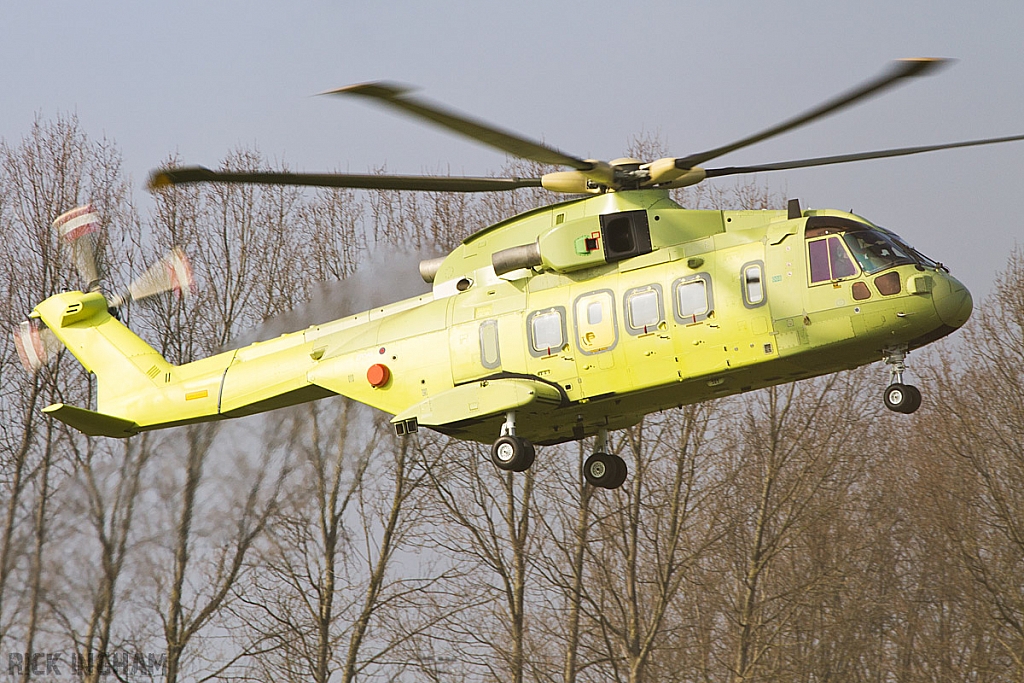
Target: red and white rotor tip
x,y
76,228
180,271
172,273
35,343
72,224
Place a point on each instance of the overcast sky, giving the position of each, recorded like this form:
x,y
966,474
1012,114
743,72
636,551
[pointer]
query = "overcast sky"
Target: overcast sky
x,y
198,79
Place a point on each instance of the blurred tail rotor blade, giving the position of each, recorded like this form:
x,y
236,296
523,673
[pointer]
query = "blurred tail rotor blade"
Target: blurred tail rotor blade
x,y
172,273
35,343
77,227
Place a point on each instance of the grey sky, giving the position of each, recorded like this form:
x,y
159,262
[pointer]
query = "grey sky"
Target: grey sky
x,y
198,79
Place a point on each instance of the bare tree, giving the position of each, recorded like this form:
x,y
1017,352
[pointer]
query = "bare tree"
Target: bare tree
x,y
647,541
243,242
485,523
311,623
976,488
796,459
55,168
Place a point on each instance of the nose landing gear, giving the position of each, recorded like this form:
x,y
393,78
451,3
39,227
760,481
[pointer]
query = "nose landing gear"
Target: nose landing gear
x,y
899,397
604,470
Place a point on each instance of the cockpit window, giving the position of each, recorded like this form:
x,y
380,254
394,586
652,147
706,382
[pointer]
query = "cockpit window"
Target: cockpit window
x,y
921,258
829,260
876,251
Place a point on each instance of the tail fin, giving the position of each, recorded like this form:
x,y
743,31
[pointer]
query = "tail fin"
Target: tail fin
x,y
126,367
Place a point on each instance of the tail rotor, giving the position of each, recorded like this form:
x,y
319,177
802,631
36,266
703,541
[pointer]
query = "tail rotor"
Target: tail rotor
x,y
36,344
78,228
172,273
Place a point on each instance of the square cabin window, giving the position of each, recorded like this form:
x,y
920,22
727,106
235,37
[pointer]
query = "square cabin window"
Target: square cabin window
x,y
693,298
546,331
643,307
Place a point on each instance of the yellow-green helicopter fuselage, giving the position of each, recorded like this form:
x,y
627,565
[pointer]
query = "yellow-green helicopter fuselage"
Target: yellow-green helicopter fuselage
x,y
577,317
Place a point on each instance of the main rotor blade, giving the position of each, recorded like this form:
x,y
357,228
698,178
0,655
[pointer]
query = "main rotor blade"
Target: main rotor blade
x,y
399,98
861,156
198,174
897,71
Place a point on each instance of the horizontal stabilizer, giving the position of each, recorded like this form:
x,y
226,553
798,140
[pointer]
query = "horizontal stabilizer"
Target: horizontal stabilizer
x,y
91,423
481,399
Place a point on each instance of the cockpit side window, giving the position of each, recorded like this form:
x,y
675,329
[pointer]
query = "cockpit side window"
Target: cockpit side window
x,y
818,252
842,265
874,248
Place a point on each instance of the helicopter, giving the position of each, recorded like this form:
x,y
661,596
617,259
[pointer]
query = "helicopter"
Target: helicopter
x,y
561,323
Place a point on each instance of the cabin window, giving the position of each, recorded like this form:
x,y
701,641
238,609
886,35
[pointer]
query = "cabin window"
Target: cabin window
x,y
753,284
547,331
595,321
829,260
643,309
693,298
490,357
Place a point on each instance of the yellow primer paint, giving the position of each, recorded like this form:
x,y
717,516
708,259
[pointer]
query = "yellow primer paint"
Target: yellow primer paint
x,y
718,303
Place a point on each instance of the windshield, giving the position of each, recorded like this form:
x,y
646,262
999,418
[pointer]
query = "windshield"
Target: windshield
x,y
921,258
877,251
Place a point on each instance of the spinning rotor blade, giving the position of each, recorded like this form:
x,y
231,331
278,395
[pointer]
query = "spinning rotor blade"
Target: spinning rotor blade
x,y
196,174
897,71
846,158
172,273
399,98
77,227
35,343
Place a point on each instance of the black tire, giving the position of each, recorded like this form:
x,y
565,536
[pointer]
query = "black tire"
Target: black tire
x,y
621,472
605,471
513,454
902,398
915,398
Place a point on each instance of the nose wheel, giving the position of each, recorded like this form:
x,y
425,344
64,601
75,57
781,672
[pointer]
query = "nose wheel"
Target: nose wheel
x,y
899,397
510,452
604,470
902,398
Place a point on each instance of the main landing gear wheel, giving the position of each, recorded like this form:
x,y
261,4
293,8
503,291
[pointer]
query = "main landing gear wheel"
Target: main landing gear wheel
x,y
605,470
513,453
902,398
